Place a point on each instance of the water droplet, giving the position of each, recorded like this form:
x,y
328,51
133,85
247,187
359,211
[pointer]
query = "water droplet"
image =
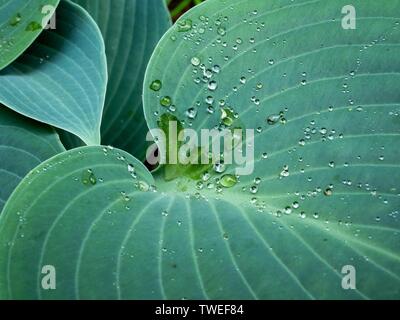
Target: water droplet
x,y
166,101
285,171
216,69
33,26
88,177
323,131
14,21
209,100
212,85
219,167
143,186
273,119
195,61
156,85
287,210
253,189
185,25
199,185
191,113
228,180
227,117
205,176
221,31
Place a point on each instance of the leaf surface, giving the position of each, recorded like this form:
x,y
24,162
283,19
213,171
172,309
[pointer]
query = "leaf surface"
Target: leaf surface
x,y
21,22
131,30
24,144
61,79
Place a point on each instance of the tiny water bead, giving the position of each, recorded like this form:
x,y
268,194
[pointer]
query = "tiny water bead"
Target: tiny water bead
x,y
253,189
191,113
88,177
143,186
221,31
264,155
216,69
212,85
156,85
228,180
285,172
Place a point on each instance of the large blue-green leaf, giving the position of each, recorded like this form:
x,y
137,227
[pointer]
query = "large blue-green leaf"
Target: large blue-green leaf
x,y
324,103
61,79
21,21
131,30
24,144
66,198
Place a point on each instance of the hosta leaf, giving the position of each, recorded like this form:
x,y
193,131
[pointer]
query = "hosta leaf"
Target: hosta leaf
x,y
24,144
58,205
21,21
131,30
323,102
61,78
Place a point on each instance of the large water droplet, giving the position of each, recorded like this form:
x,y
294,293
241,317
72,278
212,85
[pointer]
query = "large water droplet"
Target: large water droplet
x,y
156,85
166,101
273,119
228,180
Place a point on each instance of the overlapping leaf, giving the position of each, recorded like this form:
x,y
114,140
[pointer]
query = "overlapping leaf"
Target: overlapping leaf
x,y
61,79
21,21
24,144
70,192
131,30
324,104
